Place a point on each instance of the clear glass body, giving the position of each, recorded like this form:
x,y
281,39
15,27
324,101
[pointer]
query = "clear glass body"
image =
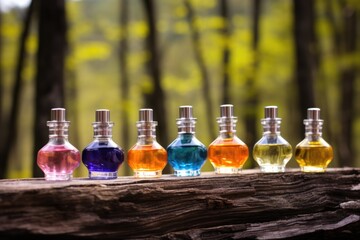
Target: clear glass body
x,y
58,158
228,154
272,152
313,154
103,157
186,154
147,158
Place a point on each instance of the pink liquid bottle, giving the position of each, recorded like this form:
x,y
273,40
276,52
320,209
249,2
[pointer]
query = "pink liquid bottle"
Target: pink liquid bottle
x,y
58,158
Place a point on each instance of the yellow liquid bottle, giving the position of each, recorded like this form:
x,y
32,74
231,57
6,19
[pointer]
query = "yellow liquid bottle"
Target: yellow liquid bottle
x,y
227,153
272,152
147,158
313,154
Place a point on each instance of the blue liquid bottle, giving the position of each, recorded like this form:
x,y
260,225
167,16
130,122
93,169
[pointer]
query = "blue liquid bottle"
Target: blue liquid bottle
x,y
186,154
102,156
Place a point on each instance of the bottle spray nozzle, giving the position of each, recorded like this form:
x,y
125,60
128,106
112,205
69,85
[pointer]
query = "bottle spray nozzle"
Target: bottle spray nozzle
x,y
58,114
271,122
186,121
186,112
146,115
227,121
146,124
313,113
102,115
271,112
227,110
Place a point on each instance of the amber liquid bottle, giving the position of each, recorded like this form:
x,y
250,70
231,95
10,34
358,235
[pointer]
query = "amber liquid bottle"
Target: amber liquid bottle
x,y
227,153
147,158
313,153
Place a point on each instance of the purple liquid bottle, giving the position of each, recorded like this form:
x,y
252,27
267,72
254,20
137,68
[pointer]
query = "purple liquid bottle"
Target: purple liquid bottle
x,y
58,158
102,156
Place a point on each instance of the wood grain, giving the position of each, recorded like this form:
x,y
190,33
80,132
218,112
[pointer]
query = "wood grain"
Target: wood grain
x,y
251,205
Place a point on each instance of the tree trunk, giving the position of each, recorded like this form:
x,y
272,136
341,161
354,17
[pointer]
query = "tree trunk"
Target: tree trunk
x,y
50,69
195,35
347,87
156,98
252,205
305,52
124,79
252,97
12,127
226,93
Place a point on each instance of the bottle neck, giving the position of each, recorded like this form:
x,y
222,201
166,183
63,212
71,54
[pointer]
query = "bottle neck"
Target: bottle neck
x,y
227,126
186,125
313,129
103,131
271,126
58,130
146,132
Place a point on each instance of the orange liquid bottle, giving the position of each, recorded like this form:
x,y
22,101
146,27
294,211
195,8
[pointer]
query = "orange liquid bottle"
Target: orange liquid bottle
x,y
147,158
227,153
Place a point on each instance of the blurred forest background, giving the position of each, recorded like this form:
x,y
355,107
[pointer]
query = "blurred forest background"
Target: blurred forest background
x,y
127,54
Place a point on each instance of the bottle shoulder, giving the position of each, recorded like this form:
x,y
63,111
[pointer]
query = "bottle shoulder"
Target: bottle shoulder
x,y
318,142
186,140
52,146
227,141
109,143
153,146
273,139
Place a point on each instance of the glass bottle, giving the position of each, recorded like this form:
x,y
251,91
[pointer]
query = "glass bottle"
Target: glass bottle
x,y
58,158
147,157
102,156
227,153
313,153
272,152
186,154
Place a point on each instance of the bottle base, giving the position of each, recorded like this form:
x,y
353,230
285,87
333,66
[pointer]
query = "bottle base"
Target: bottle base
x,y
272,169
227,170
57,177
102,175
148,174
312,169
186,173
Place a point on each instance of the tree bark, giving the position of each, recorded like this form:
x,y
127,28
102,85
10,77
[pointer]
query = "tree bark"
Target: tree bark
x,y
252,205
156,98
12,128
224,12
305,53
347,87
124,79
252,97
50,69
195,36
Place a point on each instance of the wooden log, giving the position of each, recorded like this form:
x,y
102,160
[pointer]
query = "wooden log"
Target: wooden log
x,y
250,205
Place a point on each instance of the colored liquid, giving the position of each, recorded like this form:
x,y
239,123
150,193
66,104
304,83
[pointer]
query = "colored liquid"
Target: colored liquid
x,y
58,161
228,155
186,155
147,160
102,159
272,157
313,157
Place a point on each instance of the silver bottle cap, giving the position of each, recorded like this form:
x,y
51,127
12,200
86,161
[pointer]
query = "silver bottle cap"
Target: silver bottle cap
x,y
271,112
186,112
227,110
58,114
313,113
102,115
146,115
